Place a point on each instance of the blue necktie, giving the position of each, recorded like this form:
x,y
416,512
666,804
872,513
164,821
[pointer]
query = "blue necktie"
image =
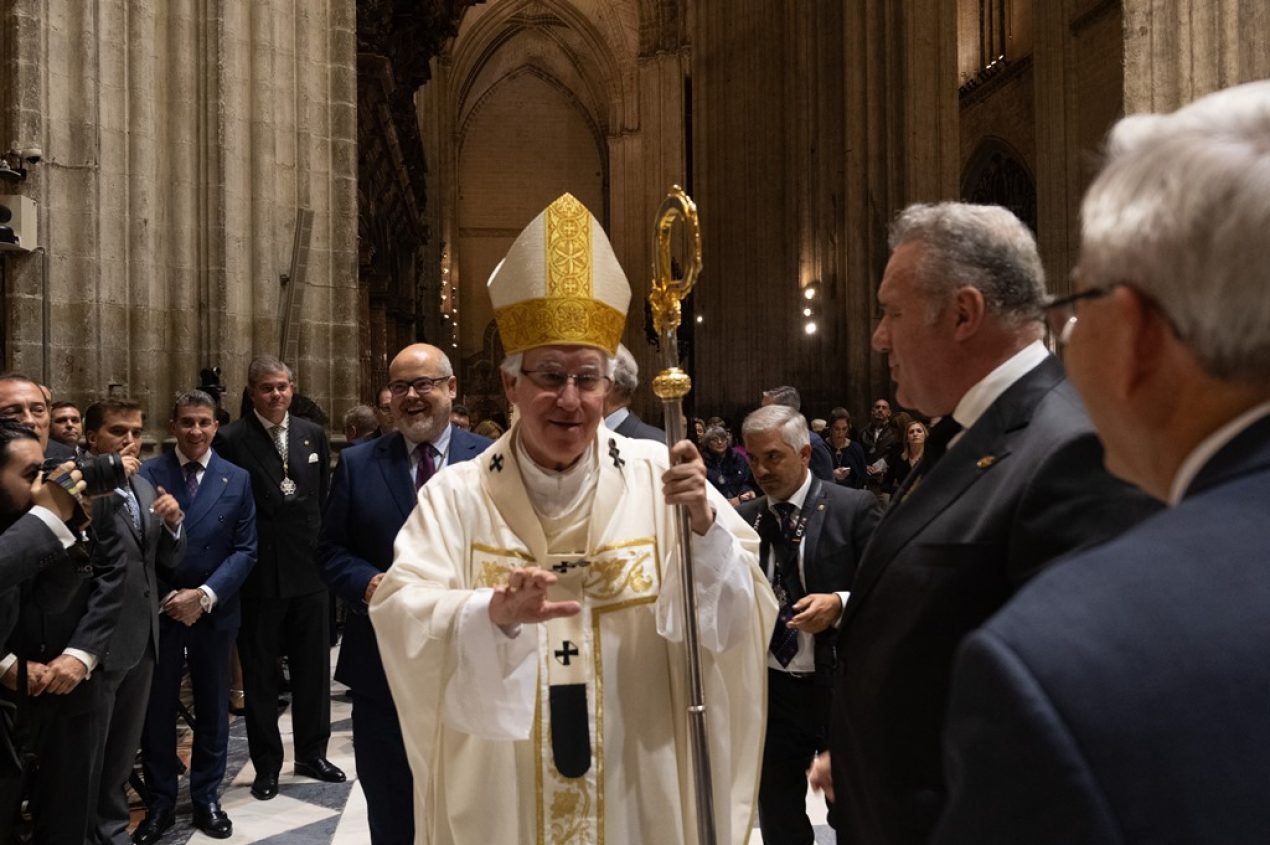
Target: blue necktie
x,y
134,510
191,479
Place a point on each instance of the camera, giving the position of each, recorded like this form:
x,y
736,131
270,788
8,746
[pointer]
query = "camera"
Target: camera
x,y
101,473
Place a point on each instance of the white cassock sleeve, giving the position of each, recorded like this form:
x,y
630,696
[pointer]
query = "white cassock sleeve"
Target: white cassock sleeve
x,y
492,691
724,584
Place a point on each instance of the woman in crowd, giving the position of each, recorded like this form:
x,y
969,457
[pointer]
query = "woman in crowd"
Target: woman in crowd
x,y
914,444
848,455
727,471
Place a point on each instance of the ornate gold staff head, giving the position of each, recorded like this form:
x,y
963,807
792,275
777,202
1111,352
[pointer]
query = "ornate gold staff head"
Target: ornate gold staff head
x,y
667,291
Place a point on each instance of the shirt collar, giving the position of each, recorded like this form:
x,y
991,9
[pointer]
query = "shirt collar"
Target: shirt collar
x,y
182,460
441,443
1210,446
800,495
613,420
980,397
286,421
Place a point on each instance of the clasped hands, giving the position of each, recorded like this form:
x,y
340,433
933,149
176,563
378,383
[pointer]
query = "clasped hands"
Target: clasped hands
x,y
524,598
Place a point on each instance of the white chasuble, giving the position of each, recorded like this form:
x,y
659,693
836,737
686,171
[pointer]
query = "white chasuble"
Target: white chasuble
x,y
473,699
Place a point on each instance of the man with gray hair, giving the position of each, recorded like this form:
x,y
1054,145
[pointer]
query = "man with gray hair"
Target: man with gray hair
x,y
618,415
1011,478
812,535
360,423
1122,697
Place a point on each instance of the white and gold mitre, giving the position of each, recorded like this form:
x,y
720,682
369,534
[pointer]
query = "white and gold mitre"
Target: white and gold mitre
x,y
560,283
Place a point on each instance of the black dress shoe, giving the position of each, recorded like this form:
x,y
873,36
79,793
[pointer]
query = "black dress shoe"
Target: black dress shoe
x,y
153,826
320,768
265,786
213,821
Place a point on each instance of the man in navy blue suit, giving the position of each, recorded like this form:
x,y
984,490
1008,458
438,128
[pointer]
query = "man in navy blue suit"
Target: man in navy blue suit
x,y
199,617
376,486
1123,696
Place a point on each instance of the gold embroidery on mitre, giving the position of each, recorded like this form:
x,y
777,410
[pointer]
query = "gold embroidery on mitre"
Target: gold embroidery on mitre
x,y
568,227
544,322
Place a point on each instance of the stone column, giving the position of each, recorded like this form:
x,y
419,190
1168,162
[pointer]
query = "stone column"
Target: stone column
x,y
180,136
1176,51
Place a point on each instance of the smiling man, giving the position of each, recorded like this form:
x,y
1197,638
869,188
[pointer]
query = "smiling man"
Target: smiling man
x,y
531,615
199,618
375,488
1011,478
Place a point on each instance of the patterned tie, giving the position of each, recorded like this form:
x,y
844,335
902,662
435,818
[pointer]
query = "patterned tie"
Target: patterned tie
x,y
191,479
134,510
784,642
279,435
426,468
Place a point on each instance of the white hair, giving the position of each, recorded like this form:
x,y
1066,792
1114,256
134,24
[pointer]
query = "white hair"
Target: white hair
x,y
791,425
1180,212
625,373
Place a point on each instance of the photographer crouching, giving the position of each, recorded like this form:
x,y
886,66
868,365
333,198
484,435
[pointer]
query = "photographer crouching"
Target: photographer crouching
x,y
42,568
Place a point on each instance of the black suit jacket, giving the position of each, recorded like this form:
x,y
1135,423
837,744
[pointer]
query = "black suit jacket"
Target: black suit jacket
x,y
1023,486
1123,695
29,549
129,594
371,497
633,426
839,524
287,527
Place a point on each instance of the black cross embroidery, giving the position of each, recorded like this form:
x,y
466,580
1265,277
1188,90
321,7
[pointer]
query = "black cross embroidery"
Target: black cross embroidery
x,y
496,463
569,650
563,566
615,454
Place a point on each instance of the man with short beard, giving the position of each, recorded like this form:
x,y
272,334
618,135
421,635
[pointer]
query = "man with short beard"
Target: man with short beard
x,y
375,489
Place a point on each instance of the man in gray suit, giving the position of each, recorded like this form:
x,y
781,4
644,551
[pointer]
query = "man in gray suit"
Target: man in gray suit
x,y
1011,478
147,523
618,415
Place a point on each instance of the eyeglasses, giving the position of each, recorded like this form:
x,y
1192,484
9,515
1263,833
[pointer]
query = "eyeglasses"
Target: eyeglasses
x,y
422,385
555,380
1060,313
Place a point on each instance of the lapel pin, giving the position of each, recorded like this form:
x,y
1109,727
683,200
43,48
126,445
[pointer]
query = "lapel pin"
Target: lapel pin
x,y
821,506
986,461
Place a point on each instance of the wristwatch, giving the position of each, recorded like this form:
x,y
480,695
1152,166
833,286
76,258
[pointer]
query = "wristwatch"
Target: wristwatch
x,y
204,601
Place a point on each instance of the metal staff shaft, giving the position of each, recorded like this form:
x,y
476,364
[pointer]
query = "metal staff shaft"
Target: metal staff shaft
x,y
671,385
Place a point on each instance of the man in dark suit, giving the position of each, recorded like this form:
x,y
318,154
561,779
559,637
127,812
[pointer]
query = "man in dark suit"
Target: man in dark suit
x,y
618,415
821,458
284,598
1021,483
812,534
375,489
67,647
147,522
40,561
200,617
879,439
1123,695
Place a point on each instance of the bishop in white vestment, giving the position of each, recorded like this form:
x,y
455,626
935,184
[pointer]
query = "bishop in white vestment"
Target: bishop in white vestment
x,y
530,624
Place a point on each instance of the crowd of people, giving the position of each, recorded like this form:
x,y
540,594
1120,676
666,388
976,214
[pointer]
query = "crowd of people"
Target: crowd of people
x,y
1029,608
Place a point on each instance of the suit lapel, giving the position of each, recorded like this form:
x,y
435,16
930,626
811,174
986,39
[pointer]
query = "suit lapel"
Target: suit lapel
x,y
149,520
260,444
814,510
394,466
982,448
215,480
